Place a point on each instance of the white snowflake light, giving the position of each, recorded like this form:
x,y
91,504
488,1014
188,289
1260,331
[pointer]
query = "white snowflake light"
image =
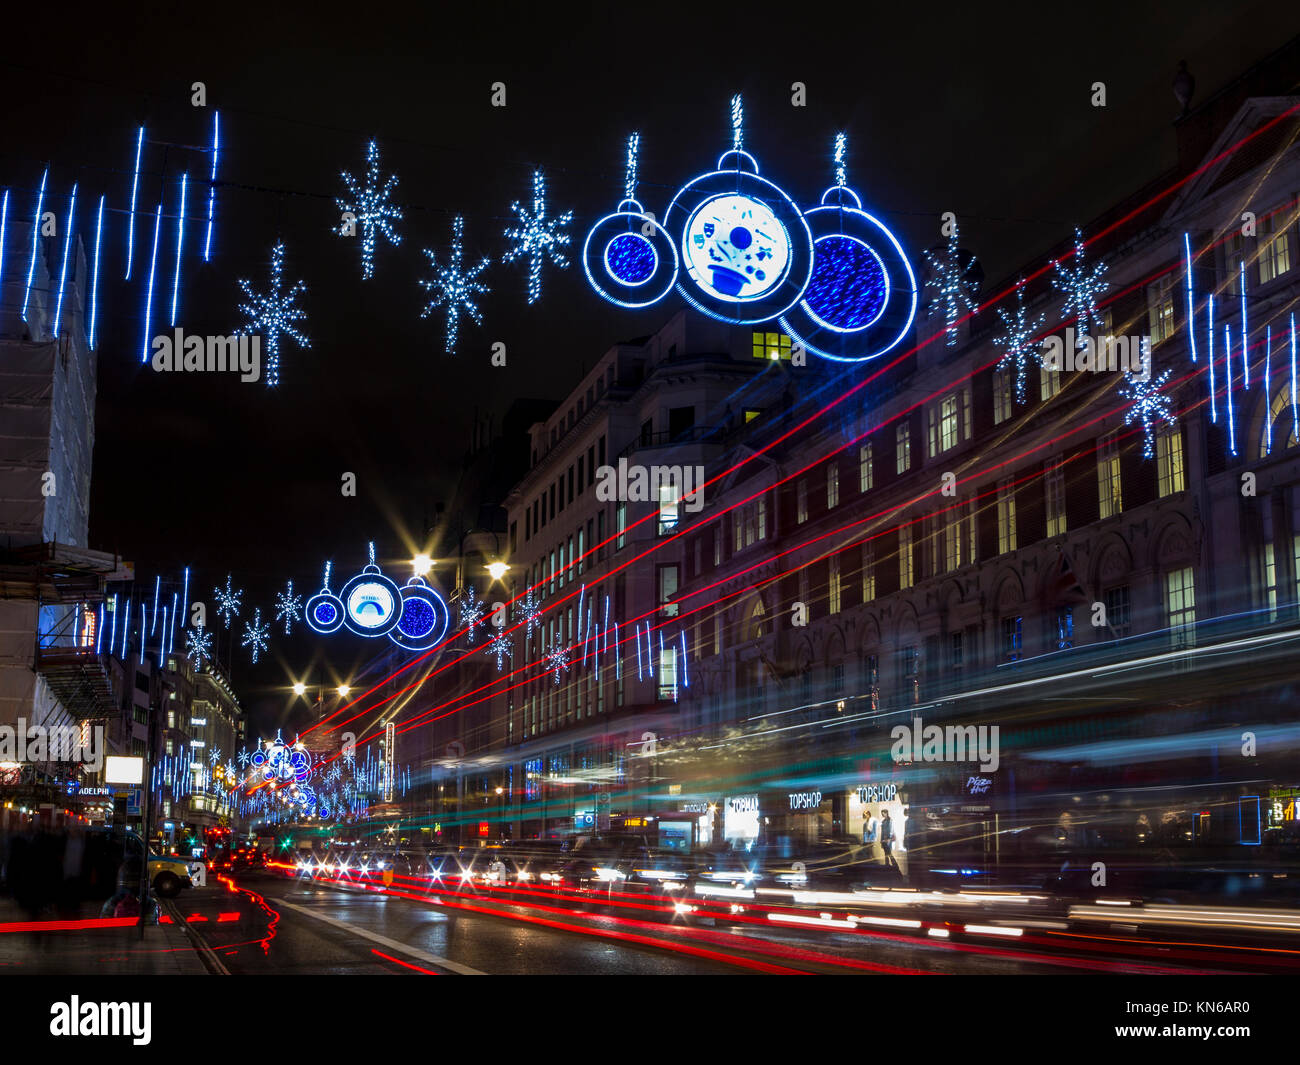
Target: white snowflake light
x,y
529,611
255,635
198,645
557,659
471,613
500,649
274,313
537,237
1150,405
1017,340
371,209
288,607
948,281
454,287
228,601
1082,285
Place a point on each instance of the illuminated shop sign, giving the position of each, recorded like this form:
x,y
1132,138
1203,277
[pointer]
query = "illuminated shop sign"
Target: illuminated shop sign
x,y
878,793
805,800
978,785
743,804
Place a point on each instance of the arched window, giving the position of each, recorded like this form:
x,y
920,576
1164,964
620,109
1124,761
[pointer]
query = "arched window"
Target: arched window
x,y
1280,429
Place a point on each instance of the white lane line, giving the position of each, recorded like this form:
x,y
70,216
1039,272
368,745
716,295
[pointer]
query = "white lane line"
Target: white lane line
x,y
375,937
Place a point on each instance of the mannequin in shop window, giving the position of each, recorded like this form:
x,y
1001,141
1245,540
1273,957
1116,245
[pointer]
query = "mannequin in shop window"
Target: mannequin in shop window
x,y
869,826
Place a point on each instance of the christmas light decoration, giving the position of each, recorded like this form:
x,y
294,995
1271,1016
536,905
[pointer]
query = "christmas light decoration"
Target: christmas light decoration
x,y
1227,368
4,226
212,182
947,278
112,637
423,618
67,250
628,257
180,242
36,235
1268,389
148,303
471,613
153,618
162,641
1209,358
371,208
130,218
747,251
860,300
198,645
1082,286
537,237
529,613
94,284
371,602
1191,298
454,287
185,597
273,314
288,607
1295,409
557,659
499,648
126,629
255,635
1148,402
228,601
1017,340
1245,348
324,610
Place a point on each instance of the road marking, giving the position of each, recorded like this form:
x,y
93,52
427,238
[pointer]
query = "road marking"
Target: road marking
x,y
375,937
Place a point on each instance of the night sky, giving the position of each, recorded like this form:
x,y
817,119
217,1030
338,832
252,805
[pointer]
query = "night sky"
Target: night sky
x,y
985,113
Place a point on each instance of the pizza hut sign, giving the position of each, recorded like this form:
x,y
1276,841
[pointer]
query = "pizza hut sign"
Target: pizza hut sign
x,y
978,785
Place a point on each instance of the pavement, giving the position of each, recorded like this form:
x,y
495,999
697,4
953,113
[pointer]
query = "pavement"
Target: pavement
x,y
82,943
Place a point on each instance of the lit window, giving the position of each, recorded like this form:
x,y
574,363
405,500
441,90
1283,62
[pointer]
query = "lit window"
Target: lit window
x,y
1001,396
1160,308
1012,638
869,571
668,508
1055,485
866,478
832,485
905,556
1064,628
1275,248
801,501
1180,605
1170,475
1006,518
773,347
1109,484
620,526
833,586
1049,382
903,448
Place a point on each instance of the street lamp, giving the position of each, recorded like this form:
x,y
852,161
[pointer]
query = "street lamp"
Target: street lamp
x,y
422,564
497,570
343,690
299,688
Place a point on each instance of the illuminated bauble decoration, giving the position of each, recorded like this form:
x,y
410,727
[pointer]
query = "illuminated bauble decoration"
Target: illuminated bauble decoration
x,y
423,618
861,299
746,249
372,604
324,610
628,257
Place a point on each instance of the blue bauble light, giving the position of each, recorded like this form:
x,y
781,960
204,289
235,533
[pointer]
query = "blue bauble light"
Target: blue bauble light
x,y
324,610
423,619
861,299
629,258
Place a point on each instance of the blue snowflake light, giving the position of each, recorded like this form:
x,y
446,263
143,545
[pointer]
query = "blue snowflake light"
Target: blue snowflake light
x,y
273,313
228,601
471,613
1017,340
537,237
947,278
500,649
1150,405
371,208
454,287
557,659
198,645
1082,286
288,607
255,635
